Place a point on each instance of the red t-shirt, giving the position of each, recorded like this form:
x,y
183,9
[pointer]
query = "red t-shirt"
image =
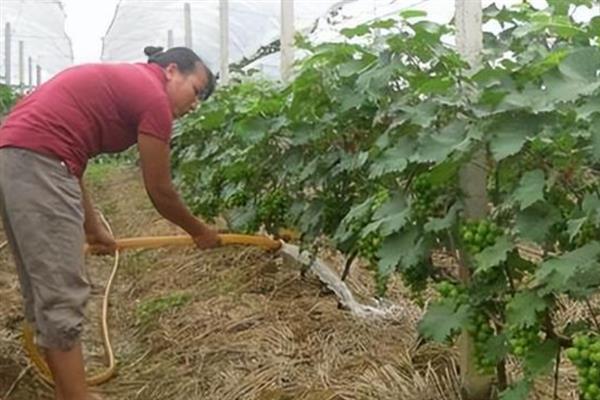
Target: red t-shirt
x,y
91,109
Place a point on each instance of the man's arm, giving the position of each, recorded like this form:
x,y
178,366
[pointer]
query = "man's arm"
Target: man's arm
x,y
96,233
91,223
156,170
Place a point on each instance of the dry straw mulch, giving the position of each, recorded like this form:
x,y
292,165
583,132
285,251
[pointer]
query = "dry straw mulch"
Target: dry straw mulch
x,y
235,323
230,323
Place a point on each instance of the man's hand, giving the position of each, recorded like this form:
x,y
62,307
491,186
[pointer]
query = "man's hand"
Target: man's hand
x,y
206,239
101,241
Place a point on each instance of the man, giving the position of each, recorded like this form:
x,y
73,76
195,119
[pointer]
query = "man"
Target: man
x,y
45,144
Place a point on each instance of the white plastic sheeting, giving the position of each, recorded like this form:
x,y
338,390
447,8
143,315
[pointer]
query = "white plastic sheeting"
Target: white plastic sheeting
x,y
256,23
352,13
40,25
252,23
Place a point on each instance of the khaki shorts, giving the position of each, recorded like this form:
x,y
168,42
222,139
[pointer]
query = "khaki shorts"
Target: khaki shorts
x,y
42,213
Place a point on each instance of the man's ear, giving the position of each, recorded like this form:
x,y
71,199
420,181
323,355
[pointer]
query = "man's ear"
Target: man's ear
x,y
171,70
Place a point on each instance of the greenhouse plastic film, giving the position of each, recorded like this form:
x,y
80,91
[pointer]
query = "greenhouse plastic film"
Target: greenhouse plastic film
x,y
252,24
353,13
40,25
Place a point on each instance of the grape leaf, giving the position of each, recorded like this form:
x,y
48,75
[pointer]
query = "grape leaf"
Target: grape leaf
x,y
441,320
517,391
494,255
523,309
531,188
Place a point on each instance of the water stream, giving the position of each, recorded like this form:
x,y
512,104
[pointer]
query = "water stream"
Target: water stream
x,y
327,275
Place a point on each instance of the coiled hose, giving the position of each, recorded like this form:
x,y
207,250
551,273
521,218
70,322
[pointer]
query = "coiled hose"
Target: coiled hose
x,y
122,244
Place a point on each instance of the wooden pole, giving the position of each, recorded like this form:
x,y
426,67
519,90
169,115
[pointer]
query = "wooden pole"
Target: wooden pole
x,y
224,40
21,66
187,23
38,73
170,38
472,180
469,40
30,70
7,54
287,38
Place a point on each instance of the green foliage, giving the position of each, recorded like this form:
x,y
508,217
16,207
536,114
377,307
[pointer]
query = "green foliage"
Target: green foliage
x,y
442,321
365,144
531,189
523,310
151,309
574,272
129,156
518,391
97,170
7,99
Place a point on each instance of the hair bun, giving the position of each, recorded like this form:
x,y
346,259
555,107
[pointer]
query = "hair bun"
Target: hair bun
x,y
152,50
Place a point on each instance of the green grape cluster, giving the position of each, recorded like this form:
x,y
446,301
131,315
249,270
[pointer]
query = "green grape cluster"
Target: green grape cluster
x,y
523,339
479,327
425,197
477,235
381,196
585,354
481,331
455,293
368,247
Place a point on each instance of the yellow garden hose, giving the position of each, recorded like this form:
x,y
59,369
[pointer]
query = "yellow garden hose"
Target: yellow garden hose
x,y
123,244
226,239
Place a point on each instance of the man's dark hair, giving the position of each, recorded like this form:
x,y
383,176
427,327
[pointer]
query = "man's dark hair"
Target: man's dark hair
x,y
186,61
